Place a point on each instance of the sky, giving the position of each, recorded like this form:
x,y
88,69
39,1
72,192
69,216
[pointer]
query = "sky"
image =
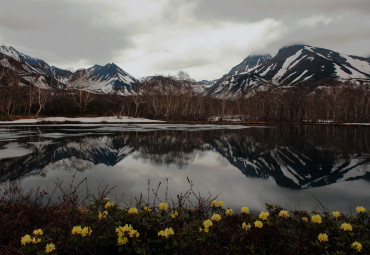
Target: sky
x,y
205,38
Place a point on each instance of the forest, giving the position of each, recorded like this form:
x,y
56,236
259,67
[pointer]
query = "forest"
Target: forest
x,y
171,99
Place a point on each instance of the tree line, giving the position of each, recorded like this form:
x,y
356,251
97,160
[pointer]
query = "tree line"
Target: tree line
x,y
171,98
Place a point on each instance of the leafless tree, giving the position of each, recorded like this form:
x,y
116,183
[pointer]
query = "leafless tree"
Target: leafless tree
x,y
78,87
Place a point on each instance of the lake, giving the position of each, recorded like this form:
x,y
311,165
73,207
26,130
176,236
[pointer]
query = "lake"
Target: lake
x,y
297,167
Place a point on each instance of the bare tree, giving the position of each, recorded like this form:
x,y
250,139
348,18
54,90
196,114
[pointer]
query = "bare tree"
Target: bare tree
x,y
80,95
41,95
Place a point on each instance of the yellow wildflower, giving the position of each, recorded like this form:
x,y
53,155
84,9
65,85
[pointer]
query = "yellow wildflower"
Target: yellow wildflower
x,y
102,215
50,247
207,223
258,224
133,211
134,234
108,205
316,219
323,237
38,232
106,199
200,229
122,240
246,226
76,230
86,231
346,227
221,203
229,212
147,209
305,219
166,233
216,217
263,215
284,214
335,214
206,230
163,206
244,210
170,231
214,203
26,239
127,229
35,241
357,246
174,214
360,209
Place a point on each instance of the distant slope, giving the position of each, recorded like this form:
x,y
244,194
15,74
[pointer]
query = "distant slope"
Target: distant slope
x,y
292,66
31,71
98,79
249,64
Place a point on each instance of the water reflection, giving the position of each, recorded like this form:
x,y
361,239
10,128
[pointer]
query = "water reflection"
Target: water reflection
x,y
293,166
296,157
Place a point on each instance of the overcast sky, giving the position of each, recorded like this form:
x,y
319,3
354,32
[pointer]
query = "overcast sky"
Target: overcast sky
x,y
205,38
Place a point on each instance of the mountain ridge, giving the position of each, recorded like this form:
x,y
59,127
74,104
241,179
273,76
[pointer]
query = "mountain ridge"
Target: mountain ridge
x,y
109,78
291,66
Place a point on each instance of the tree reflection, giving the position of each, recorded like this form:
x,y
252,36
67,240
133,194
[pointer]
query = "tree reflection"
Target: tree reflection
x,y
295,156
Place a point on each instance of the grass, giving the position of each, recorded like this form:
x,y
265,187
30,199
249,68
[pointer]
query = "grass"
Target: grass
x,y
89,224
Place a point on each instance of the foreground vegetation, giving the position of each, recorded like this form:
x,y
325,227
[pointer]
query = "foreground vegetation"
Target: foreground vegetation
x,y
174,227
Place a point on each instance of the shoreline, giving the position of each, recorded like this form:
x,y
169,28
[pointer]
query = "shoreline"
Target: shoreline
x,y
135,120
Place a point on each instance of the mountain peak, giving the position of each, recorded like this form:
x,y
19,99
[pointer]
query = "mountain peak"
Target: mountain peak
x,y
292,66
111,65
249,64
11,52
109,78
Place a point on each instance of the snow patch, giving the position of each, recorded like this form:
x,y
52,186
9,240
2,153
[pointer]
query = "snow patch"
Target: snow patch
x,y
112,119
299,77
266,71
13,150
286,65
360,65
4,62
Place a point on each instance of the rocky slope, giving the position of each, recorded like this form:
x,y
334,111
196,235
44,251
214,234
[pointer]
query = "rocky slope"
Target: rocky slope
x,y
292,66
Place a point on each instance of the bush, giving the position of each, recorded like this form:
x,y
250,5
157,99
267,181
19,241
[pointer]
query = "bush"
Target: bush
x,y
103,227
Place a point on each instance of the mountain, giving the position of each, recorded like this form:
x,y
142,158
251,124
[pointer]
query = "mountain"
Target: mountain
x,y
31,70
98,79
292,162
249,64
108,79
291,167
292,66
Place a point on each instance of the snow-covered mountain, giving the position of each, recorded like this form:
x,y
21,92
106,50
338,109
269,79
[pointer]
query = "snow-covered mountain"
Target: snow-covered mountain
x,y
300,165
98,79
292,66
31,70
108,79
291,166
249,64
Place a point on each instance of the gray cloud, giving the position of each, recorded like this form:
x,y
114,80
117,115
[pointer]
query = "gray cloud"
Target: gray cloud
x,y
61,31
249,10
206,37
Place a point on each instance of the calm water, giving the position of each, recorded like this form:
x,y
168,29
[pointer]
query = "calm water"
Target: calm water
x,y
294,166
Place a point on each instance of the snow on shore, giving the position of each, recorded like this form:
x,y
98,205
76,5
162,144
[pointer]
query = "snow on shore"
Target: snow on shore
x,y
111,119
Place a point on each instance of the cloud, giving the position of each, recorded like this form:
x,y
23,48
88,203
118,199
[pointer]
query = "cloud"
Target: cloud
x,y
67,31
252,10
204,37
314,21
202,47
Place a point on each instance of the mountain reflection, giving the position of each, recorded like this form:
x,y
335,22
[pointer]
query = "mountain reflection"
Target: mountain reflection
x,y
296,157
